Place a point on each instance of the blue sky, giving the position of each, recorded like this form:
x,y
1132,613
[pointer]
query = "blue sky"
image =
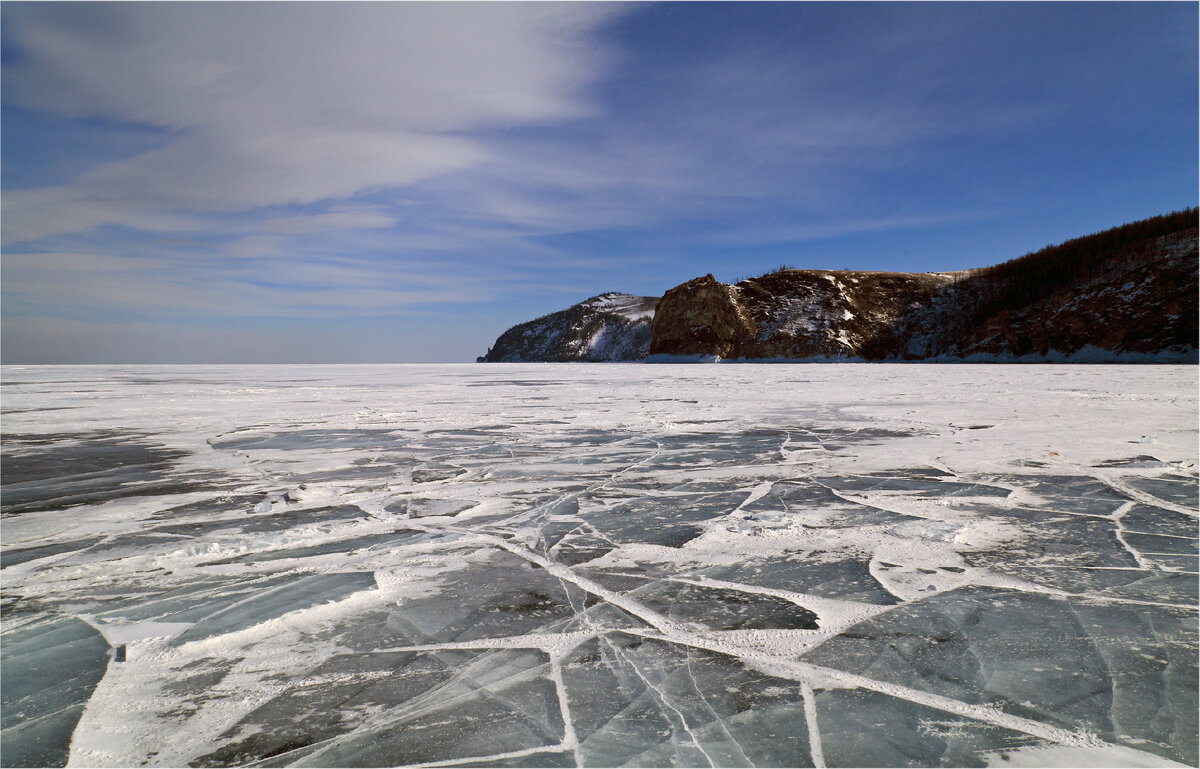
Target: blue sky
x,y
394,182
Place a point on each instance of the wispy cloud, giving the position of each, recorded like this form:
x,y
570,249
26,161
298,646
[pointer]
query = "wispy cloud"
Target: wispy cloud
x,y
312,162
356,218
100,284
277,105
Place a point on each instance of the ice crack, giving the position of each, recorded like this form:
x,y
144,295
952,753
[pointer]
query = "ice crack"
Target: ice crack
x,y
1116,516
666,703
814,731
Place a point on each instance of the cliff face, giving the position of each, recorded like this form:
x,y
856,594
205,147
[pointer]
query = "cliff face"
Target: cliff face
x,y
608,327
1127,291
701,317
1114,293
786,314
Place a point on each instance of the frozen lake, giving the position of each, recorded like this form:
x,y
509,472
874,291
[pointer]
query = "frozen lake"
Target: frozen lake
x,y
599,565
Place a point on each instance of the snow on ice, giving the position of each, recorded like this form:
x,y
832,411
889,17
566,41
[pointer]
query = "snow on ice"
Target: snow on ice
x,y
591,565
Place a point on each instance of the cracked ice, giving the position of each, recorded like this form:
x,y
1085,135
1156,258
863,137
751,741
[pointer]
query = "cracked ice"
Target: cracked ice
x,y
599,565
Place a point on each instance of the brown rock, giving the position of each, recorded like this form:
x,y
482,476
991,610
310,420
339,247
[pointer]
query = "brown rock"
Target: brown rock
x,y
700,317
785,314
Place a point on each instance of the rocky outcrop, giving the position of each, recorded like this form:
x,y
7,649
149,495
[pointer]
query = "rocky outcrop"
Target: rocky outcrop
x,y
608,327
786,314
825,313
1125,294
700,317
1129,293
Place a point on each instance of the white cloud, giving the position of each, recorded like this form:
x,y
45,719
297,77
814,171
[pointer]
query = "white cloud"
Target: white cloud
x,y
356,218
278,103
259,285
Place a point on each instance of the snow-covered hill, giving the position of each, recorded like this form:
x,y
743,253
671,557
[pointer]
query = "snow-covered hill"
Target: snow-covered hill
x,y
608,327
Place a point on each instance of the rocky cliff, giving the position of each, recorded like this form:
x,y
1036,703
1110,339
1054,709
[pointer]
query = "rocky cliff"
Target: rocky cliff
x,y
1129,293
787,314
608,327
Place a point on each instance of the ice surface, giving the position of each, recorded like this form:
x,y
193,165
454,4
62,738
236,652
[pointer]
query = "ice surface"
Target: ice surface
x,y
65,469
49,668
293,595
588,565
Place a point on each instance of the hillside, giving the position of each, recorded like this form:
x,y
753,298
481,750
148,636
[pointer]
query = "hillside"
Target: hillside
x,y
786,314
1132,289
1128,293
608,327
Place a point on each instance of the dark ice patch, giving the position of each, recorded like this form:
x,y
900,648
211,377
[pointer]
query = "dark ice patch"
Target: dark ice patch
x,y
619,580
13,604
124,545
291,518
1180,563
187,602
251,439
15,556
421,507
357,471
300,593
87,458
1155,520
681,451
740,716
458,437
794,496
915,483
518,383
431,473
866,728
50,670
721,608
1071,493
577,550
206,509
1075,580
331,703
85,468
262,523
1057,540
1025,653
1154,544
1181,491
1150,653
552,532
837,438
501,597
669,521
1141,461
846,579
41,456
500,702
